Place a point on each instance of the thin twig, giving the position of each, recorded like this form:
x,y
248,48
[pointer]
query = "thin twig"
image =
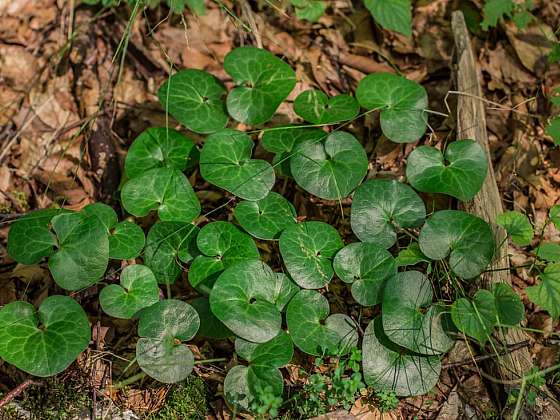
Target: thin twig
x,y
6,399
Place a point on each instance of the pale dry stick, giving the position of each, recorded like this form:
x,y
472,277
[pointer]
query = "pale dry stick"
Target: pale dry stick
x,y
487,203
248,12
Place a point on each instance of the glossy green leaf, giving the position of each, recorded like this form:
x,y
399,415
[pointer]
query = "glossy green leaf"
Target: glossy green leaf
x,y
387,366
243,298
518,227
546,293
395,15
126,239
509,306
138,289
548,251
263,82
45,342
210,326
277,352
316,107
380,207
242,384
222,245
167,245
30,238
476,318
553,130
331,168
160,351
225,161
409,318
307,250
310,10
195,99
83,250
316,332
159,147
401,102
460,172
266,218
554,215
467,239
411,255
282,140
366,266
163,189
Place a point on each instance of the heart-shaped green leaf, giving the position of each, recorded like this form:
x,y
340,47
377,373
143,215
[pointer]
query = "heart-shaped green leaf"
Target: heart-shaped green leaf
x,y
225,161
390,367
409,318
83,250
167,244
159,147
282,140
222,245
210,326
162,329
460,172
45,342
126,239
546,294
194,98
314,331
30,238
467,239
316,107
277,352
263,82
509,306
401,102
138,289
331,168
310,10
244,383
548,251
380,206
476,318
166,190
411,255
554,215
395,15
307,250
518,226
244,298
366,266
266,218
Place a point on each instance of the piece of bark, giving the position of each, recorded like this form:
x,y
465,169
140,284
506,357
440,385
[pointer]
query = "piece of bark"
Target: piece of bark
x,y
487,204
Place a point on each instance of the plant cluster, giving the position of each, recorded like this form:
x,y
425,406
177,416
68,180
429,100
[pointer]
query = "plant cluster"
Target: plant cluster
x,y
269,313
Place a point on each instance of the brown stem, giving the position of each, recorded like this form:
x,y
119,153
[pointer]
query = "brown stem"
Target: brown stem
x,y
6,399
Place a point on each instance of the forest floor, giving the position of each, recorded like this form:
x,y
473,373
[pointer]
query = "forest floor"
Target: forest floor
x,y
69,110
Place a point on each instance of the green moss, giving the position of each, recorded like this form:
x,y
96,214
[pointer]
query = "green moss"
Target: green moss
x,y
57,399
186,401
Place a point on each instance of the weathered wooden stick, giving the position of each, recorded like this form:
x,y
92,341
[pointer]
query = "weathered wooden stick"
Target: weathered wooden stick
x,y
487,204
